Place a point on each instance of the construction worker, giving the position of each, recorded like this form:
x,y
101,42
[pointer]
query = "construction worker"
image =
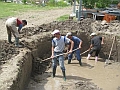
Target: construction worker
x,y
95,46
77,44
58,45
11,25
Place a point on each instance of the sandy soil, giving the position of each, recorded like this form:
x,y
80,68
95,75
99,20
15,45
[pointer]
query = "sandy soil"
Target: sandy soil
x,y
107,78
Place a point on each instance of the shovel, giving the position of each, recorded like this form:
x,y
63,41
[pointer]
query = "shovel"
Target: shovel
x,y
107,61
65,54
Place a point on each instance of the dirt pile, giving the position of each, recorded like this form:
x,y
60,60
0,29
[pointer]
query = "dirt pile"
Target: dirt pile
x,y
110,28
7,51
61,25
86,25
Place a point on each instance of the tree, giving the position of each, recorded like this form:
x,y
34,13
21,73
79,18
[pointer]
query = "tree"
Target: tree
x,y
99,3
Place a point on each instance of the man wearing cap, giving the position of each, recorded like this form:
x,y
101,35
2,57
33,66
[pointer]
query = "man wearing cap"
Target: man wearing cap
x,y
77,44
58,45
95,46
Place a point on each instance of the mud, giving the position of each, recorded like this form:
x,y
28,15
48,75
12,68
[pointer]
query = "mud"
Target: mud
x,y
81,29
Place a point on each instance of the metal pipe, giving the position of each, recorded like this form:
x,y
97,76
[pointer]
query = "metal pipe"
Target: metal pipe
x,y
80,11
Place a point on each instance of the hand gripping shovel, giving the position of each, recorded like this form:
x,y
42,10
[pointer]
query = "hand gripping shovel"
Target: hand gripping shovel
x,y
66,53
59,55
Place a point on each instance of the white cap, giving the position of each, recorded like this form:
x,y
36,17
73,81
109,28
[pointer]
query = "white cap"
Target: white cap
x,y
92,34
68,34
55,31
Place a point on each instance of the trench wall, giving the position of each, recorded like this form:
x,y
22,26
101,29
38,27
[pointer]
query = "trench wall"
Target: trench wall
x,y
16,72
26,63
106,47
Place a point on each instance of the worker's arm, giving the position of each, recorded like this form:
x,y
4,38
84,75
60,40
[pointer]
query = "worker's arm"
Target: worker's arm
x,y
90,47
52,50
80,44
102,42
71,46
20,27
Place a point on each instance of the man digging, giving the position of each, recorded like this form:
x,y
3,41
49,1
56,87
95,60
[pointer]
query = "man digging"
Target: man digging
x,y
11,25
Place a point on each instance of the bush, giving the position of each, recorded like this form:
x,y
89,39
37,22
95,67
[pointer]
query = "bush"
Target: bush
x,y
24,1
57,3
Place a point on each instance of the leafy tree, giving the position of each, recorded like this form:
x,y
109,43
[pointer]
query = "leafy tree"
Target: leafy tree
x,y
89,3
99,3
102,3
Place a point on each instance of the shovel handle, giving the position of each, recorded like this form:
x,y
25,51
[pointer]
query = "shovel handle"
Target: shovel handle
x,y
60,54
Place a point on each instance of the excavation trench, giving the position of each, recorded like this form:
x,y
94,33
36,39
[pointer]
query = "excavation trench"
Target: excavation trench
x,y
17,66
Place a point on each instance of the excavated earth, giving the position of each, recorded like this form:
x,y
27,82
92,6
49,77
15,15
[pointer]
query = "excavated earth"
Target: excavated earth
x,y
28,61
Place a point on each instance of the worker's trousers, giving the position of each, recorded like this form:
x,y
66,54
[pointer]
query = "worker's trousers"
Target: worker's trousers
x,y
96,50
12,28
60,60
77,54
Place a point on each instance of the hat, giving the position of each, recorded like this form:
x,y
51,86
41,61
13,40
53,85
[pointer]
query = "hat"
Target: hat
x,y
55,31
92,34
68,34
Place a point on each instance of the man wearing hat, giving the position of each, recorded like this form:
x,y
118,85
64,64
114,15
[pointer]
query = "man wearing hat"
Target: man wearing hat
x,y
58,45
77,44
95,46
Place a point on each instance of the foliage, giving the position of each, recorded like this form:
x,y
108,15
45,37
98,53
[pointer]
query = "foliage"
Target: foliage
x,y
89,3
99,3
102,3
24,1
55,3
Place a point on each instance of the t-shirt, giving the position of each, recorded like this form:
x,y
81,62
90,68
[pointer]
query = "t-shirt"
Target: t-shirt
x,y
59,44
19,24
96,41
76,41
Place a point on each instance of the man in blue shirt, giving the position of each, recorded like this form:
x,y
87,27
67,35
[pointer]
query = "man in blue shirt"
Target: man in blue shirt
x,y
58,45
77,44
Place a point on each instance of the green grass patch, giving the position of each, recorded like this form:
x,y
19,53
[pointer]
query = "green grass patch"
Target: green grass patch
x,y
63,18
12,9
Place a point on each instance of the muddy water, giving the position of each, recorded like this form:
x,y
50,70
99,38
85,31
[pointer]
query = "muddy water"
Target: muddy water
x,y
91,76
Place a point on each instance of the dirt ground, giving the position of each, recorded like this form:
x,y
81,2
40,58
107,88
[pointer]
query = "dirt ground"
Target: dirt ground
x,y
90,75
35,18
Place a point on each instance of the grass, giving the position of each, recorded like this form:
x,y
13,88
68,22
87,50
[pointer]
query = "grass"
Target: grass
x,y
63,18
12,9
